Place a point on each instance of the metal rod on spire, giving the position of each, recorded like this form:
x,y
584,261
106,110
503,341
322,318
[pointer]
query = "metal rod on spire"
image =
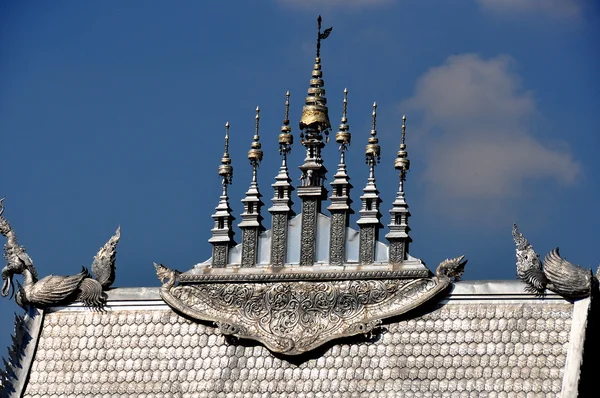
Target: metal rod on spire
x,y
321,36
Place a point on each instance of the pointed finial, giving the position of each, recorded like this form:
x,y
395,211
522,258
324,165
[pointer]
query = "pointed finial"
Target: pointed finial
x,y
315,113
374,114
372,150
286,121
343,136
286,139
402,163
225,169
255,154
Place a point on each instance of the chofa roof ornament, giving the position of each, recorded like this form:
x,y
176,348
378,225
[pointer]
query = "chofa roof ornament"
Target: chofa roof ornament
x,y
55,289
310,278
556,274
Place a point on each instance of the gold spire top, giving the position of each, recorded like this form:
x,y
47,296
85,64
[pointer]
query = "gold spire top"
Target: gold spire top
x,y
225,168
402,163
286,139
315,114
372,151
343,136
255,154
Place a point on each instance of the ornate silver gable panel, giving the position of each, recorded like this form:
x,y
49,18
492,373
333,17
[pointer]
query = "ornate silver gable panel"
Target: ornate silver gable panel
x,y
311,278
297,316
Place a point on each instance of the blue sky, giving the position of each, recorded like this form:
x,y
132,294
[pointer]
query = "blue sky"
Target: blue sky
x,y
113,113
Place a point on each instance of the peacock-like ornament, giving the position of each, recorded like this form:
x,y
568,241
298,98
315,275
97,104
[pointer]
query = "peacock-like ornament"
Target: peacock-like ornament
x,y
555,273
55,289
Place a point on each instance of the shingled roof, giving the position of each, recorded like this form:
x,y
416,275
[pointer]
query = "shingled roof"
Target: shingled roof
x,y
483,339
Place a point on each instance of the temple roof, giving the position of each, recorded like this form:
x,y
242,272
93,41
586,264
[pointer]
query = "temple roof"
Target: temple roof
x,y
484,338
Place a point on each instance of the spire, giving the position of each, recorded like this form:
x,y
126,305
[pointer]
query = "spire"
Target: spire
x,y
251,224
340,195
314,113
398,235
313,123
222,232
369,214
282,202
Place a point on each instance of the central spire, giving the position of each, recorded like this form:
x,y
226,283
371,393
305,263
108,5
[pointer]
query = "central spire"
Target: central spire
x,y
313,123
315,117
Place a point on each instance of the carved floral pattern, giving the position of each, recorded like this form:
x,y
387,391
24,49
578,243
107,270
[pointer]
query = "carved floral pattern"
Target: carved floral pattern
x,y
337,238
366,248
219,255
309,227
278,239
295,317
396,251
249,245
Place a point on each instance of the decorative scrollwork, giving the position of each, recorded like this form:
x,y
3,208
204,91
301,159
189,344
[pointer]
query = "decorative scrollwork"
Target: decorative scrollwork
x,y
366,249
278,239
309,226
295,317
220,253
337,239
249,245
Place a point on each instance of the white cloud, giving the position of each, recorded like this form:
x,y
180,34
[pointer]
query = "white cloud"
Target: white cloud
x,y
564,9
328,4
476,138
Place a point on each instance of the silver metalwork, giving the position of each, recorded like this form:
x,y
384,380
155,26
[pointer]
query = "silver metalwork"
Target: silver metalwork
x,y
16,367
282,202
366,248
556,273
497,342
369,221
452,268
222,232
251,224
54,289
337,238
295,317
340,195
309,227
410,269
398,236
